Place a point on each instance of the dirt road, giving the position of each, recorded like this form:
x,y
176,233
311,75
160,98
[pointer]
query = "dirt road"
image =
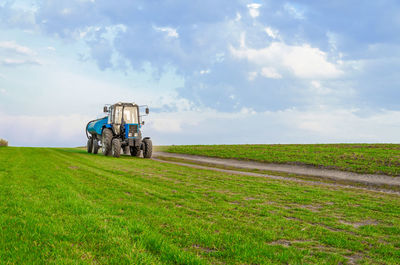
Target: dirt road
x,y
295,169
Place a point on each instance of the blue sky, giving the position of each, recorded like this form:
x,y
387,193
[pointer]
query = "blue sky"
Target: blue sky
x,y
211,71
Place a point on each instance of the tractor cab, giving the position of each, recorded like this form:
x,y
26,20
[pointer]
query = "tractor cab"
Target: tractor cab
x,y
122,116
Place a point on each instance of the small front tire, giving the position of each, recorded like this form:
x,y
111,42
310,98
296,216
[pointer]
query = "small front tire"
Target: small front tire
x,y
116,148
135,151
126,150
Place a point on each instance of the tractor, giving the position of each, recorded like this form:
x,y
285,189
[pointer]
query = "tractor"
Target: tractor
x,y
119,131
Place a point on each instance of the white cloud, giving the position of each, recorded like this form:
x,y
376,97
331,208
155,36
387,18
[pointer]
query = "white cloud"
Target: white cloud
x,y
238,17
219,57
13,54
10,45
273,33
171,32
60,130
109,33
320,125
304,61
204,72
88,31
3,91
346,125
247,111
309,62
243,40
194,127
18,62
166,125
66,11
317,88
316,84
254,9
113,30
252,75
295,12
270,73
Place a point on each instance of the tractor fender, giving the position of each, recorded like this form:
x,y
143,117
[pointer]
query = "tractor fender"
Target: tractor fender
x,y
108,126
146,138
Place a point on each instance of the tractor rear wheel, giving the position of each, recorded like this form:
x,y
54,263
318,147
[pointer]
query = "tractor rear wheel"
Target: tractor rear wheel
x,y
89,145
106,139
95,146
148,148
135,151
116,147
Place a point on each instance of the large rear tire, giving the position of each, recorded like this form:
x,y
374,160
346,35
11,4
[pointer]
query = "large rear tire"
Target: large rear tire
x,y
95,146
135,151
106,139
116,147
148,148
89,145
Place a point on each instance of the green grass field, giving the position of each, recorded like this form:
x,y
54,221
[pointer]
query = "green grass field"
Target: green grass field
x,y
64,206
360,158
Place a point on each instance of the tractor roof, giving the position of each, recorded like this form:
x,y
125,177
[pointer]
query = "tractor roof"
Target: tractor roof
x,y
125,104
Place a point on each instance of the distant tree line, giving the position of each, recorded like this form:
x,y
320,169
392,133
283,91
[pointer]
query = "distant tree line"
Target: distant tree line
x,y
3,142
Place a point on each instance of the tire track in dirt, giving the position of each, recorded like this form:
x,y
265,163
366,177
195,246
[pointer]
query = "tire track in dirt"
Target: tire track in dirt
x,y
371,182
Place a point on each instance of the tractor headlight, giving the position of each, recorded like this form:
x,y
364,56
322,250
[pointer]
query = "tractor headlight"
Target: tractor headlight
x,y
136,134
129,134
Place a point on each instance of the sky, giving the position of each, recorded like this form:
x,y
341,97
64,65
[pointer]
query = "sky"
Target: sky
x,y
212,72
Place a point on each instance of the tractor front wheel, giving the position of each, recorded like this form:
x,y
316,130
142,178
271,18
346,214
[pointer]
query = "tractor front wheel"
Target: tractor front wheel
x,y
147,148
106,139
126,150
135,151
89,145
116,147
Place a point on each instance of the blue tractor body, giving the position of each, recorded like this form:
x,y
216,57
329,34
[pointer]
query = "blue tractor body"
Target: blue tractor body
x,y
134,126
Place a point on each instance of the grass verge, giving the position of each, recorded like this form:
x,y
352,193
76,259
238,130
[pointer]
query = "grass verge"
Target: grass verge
x,y
359,158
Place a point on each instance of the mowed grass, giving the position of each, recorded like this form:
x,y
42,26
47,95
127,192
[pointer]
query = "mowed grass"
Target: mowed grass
x,y
360,158
64,206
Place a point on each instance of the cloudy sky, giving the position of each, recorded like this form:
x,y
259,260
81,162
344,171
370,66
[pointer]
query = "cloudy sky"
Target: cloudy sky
x,y
226,71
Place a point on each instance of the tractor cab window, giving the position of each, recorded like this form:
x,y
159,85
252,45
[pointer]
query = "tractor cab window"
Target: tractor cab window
x,y
110,115
117,115
130,115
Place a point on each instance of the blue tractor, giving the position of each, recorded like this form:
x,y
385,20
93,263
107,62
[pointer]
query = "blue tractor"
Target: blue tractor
x,y
119,130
